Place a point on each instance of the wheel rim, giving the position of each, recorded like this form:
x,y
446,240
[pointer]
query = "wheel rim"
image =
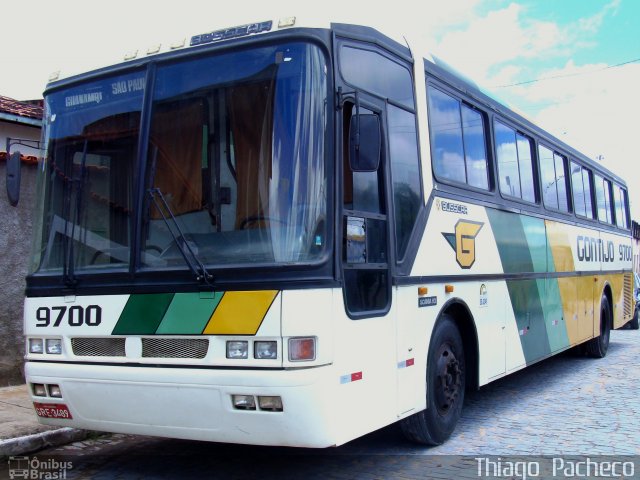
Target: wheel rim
x,y
448,379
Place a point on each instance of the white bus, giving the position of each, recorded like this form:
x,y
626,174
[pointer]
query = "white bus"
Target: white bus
x,y
285,234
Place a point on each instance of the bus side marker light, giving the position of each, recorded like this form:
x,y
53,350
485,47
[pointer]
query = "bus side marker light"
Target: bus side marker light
x,y
353,377
286,22
423,291
302,349
243,402
406,363
130,55
177,44
448,288
270,404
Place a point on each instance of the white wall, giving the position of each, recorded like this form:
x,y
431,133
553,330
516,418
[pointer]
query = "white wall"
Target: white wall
x,y
18,131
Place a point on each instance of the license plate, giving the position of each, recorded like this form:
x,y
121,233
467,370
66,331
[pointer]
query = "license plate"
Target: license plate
x,y
52,410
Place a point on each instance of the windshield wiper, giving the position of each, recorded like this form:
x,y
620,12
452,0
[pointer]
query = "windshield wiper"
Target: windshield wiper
x,y
76,186
190,257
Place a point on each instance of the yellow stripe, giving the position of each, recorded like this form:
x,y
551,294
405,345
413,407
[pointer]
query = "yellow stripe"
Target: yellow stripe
x,y
240,313
560,247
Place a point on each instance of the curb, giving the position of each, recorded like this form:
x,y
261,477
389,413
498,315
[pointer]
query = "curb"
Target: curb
x,y
38,441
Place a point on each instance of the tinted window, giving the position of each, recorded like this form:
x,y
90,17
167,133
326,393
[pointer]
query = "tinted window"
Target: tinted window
x,y
507,160
581,185
548,172
457,141
553,168
514,163
602,194
607,200
525,162
474,148
561,182
578,189
587,181
621,207
405,173
377,74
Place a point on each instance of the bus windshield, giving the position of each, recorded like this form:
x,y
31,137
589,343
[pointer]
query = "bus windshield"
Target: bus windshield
x,y
230,165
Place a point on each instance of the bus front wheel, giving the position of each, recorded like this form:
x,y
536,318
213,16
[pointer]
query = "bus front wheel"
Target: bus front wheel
x,y
445,387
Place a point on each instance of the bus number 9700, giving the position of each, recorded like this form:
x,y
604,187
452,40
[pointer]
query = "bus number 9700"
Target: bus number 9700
x,y
75,316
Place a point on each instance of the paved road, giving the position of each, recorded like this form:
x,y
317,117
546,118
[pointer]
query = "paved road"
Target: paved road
x,y
564,407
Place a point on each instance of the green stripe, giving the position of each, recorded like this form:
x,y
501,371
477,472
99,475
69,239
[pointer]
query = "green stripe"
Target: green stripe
x,y
527,307
537,304
552,306
511,240
142,314
189,313
536,236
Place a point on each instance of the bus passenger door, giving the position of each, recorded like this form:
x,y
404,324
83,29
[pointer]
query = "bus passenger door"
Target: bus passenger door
x,y
367,285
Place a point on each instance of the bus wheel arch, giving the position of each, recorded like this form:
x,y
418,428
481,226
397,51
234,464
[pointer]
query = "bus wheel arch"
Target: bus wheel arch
x,y
461,314
598,346
451,368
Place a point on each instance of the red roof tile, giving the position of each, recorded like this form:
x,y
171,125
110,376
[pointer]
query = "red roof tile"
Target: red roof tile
x,y
21,109
28,159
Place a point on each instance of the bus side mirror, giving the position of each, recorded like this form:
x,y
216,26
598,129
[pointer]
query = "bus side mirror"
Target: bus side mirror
x,y
13,178
364,143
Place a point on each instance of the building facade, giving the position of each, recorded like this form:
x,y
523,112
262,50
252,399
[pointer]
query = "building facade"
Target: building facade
x,y
20,124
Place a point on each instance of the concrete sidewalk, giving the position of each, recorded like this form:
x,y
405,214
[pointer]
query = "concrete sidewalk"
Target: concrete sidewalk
x,y
20,432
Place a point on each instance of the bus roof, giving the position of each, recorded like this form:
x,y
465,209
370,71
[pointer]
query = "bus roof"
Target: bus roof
x,y
409,44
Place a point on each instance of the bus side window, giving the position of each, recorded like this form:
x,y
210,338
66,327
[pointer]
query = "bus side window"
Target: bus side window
x,y
458,146
578,190
587,180
405,174
603,199
514,163
553,170
621,207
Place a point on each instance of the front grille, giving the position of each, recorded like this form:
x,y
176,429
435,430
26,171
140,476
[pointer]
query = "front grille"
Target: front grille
x,y
174,347
98,347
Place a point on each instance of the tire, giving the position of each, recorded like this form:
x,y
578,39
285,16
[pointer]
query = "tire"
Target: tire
x,y
633,324
597,347
446,382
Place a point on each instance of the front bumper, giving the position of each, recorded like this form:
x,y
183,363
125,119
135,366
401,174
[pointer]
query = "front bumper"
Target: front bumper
x,y
192,403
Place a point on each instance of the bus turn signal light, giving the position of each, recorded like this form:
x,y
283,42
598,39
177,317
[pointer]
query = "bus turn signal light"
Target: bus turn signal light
x,y
302,349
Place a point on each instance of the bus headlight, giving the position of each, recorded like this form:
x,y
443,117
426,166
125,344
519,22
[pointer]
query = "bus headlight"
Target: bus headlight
x,y
265,350
244,402
36,345
39,390
270,404
237,349
54,346
54,391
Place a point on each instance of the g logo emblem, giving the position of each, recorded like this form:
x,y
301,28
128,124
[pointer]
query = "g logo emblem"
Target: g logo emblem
x,y
463,242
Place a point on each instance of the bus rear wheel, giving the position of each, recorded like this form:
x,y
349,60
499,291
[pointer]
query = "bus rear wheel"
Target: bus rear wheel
x,y
446,382
597,347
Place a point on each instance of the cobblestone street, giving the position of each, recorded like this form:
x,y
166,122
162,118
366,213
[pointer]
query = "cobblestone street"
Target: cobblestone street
x,y
565,406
